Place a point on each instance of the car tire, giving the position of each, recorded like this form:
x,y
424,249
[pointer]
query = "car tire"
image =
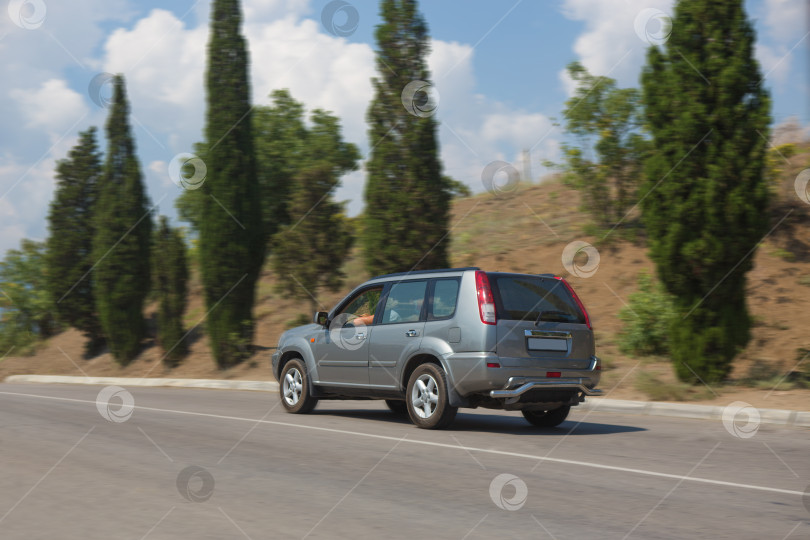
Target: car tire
x,y
427,398
397,406
552,418
294,388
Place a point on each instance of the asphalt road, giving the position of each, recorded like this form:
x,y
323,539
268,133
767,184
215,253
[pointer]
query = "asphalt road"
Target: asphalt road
x,y
188,463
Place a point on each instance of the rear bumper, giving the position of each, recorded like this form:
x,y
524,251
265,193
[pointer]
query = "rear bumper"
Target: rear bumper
x,y
469,375
517,386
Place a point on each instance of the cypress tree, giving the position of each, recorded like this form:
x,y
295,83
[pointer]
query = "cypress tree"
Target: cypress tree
x,y
69,256
123,233
706,196
407,197
170,273
279,134
231,246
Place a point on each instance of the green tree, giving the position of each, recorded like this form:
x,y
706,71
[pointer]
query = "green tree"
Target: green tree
x,y
309,253
170,273
407,197
281,155
231,237
69,258
607,121
280,141
27,310
705,196
123,233
190,202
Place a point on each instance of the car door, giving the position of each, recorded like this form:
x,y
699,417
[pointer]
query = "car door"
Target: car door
x,y
341,351
399,331
441,308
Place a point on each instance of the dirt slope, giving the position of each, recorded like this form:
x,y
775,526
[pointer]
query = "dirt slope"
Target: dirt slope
x,y
527,231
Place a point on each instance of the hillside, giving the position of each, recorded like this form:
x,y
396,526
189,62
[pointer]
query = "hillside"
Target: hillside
x,y
526,231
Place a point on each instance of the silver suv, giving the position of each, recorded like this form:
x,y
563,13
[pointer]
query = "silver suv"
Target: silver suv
x,y
429,342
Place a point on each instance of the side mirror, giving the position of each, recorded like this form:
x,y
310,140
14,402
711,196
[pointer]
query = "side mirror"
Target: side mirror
x,y
322,318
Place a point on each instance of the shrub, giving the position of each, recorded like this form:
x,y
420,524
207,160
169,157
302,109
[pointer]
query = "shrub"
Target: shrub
x,y
647,319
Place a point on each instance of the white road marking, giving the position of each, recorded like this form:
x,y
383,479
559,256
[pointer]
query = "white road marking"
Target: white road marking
x,y
444,445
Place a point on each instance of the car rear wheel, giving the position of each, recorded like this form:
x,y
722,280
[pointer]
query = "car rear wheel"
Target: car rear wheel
x,y
397,406
427,398
551,418
294,388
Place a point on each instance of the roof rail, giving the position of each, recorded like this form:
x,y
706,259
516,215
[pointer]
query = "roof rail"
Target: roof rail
x,y
437,271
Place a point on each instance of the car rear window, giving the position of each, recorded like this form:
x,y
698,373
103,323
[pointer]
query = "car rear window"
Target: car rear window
x,y
527,297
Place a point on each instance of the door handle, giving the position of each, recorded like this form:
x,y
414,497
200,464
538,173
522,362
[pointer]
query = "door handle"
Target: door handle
x,y
360,335
411,333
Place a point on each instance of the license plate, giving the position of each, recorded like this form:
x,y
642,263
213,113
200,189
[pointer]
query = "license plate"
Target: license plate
x,y
548,344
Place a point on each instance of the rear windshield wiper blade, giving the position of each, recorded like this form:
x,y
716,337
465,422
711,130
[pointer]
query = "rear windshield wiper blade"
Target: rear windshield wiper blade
x,y
555,316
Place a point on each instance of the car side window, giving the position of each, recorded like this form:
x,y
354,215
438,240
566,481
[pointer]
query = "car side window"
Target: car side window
x,y
445,295
404,302
361,309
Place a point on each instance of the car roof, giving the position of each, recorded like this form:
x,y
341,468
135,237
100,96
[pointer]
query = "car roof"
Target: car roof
x,y
546,275
419,273
423,272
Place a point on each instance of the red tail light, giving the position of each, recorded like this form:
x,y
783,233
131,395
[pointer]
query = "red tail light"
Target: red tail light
x,y
578,301
486,302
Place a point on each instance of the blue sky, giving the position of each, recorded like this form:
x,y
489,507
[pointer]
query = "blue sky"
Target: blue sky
x,y
497,67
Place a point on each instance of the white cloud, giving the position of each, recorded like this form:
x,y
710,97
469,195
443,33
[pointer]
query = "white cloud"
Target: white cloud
x,y
476,130
784,30
268,10
25,193
450,64
159,169
610,45
10,235
785,19
568,83
163,62
320,70
521,130
53,106
42,112
774,62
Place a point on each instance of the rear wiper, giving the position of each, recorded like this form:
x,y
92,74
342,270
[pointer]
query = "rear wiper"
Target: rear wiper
x,y
555,316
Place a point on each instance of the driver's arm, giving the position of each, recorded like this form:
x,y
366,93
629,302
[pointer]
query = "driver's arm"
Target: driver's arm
x,y
364,320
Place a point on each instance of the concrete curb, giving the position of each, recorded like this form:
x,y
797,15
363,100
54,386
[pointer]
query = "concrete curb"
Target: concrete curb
x,y
262,386
649,408
683,410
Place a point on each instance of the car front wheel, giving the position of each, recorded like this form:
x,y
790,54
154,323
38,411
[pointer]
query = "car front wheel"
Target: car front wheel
x,y
551,418
427,398
294,388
